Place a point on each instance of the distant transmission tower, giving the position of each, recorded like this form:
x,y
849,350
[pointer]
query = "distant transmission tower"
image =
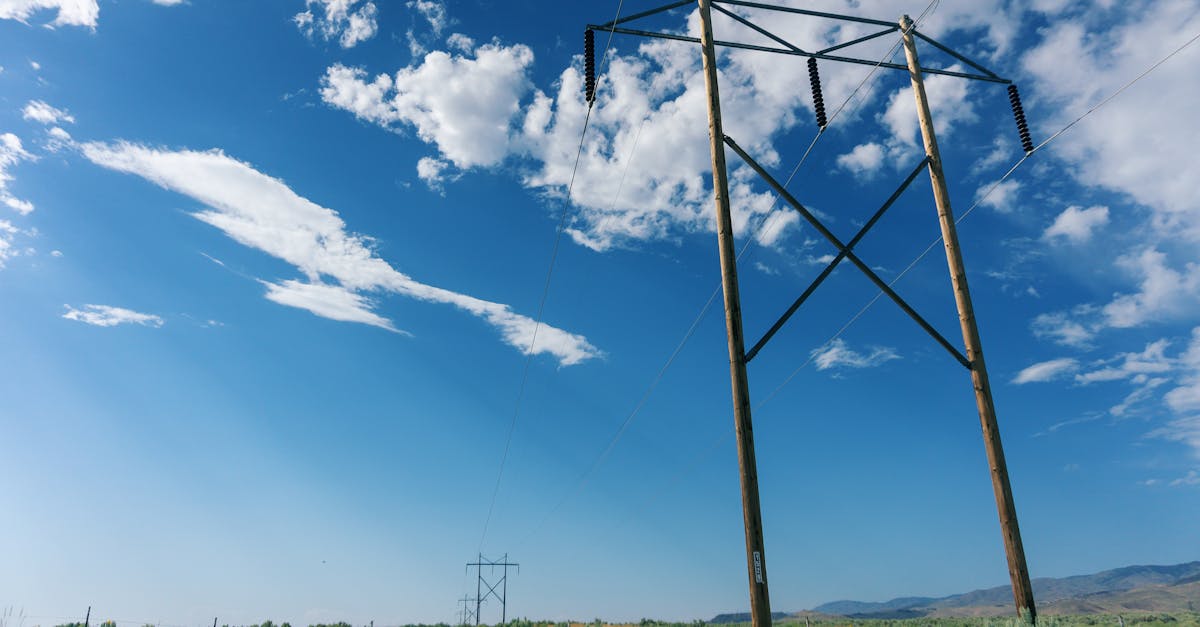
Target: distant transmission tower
x,y
502,583
466,613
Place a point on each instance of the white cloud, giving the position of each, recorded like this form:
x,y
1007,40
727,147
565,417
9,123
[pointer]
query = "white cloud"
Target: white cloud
x,y
668,193
106,316
947,100
40,111
168,3
431,171
58,139
12,153
7,234
1002,198
775,224
434,12
837,354
1192,478
1186,397
1076,224
464,104
1002,152
1046,371
460,42
1152,360
327,301
863,160
1163,292
1141,142
765,269
263,213
68,12
1148,372
349,21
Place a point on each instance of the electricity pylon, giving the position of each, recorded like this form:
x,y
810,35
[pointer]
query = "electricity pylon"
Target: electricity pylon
x,y
973,360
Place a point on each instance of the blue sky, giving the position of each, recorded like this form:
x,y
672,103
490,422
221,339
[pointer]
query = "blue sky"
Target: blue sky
x,y
269,272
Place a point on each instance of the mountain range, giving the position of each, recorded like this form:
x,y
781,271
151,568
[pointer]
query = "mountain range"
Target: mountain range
x,y
1128,589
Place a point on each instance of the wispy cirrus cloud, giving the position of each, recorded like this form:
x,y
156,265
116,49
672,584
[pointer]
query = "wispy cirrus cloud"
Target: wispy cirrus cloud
x,y
7,233
340,269
41,111
838,354
109,316
1046,371
1164,290
12,153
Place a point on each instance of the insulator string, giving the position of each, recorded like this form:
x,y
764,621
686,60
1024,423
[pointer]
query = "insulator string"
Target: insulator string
x,y
1014,99
589,65
814,77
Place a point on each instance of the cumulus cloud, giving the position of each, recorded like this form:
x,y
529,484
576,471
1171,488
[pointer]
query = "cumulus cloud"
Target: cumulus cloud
x,y
67,12
1163,291
863,160
12,153
999,196
431,171
350,22
107,316
40,111
838,354
464,104
339,267
1076,224
1138,143
668,192
1046,371
659,82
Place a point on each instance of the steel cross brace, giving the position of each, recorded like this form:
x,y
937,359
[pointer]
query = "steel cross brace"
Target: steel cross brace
x,y
491,588
844,252
829,268
790,49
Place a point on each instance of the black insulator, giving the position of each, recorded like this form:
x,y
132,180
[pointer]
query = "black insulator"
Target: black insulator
x,y
1014,99
589,65
814,78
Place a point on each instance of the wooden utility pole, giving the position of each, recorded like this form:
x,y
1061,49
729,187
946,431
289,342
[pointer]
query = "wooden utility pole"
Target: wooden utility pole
x,y
1015,552
756,561
87,619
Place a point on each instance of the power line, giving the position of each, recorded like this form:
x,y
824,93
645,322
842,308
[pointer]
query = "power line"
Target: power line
x,y
542,305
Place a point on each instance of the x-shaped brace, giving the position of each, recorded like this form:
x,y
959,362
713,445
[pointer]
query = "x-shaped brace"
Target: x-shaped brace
x,y
845,251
